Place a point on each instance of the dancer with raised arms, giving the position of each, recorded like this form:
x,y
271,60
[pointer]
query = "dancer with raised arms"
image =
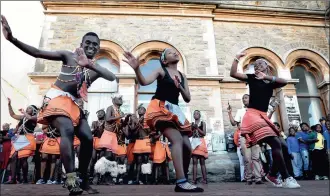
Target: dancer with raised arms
x,y
164,114
60,109
256,126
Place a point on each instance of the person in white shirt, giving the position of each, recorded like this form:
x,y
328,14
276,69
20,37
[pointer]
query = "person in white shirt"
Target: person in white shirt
x,y
252,165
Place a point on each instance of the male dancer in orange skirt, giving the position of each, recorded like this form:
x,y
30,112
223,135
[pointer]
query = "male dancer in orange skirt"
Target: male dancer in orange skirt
x,y
50,150
60,109
200,152
108,141
164,114
256,126
25,128
160,156
142,148
97,131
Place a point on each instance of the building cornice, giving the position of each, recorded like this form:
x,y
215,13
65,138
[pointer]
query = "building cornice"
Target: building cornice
x,y
215,11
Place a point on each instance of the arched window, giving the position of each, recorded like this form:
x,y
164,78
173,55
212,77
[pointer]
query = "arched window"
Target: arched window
x,y
99,94
309,100
145,93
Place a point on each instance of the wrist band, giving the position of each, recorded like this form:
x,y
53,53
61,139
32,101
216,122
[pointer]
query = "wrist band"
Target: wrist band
x,y
274,79
236,59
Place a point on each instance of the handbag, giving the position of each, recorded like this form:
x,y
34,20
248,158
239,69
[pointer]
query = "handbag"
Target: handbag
x,y
21,142
195,142
175,109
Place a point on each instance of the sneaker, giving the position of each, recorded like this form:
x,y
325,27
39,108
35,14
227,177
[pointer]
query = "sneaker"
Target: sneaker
x,y
55,182
274,181
187,187
49,182
40,181
317,177
290,183
325,178
130,182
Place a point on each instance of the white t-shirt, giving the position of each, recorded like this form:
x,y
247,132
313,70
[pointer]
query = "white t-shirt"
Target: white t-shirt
x,y
239,115
238,118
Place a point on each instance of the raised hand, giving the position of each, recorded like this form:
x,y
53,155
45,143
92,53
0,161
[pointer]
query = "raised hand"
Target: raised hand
x,y
131,60
6,28
240,55
82,59
229,110
260,75
177,81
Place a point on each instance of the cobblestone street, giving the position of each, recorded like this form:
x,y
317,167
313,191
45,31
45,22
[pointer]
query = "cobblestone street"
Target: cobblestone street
x,y
315,188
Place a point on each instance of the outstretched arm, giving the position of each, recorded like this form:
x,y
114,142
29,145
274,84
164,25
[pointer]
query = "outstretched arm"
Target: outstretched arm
x,y
56,56
233,70
134,63
12,113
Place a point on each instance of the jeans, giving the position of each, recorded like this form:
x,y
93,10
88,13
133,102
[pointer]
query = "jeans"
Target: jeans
x,y
297,164
305,158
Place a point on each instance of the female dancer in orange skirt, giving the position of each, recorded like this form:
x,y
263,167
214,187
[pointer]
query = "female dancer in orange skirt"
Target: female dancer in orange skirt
x,y
161,156
50,149
200,152
97,131
256,126
164,114
142,148
24,130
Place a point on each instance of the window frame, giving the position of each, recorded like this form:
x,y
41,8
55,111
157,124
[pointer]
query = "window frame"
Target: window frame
x,y
307,95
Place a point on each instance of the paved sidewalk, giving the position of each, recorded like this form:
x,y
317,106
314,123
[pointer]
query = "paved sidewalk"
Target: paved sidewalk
x,y
309,188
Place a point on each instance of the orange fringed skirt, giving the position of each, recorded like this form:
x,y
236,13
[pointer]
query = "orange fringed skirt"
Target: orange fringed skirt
x,y
256,126
142,146
201,150
160,152
130,155
156,112
121,150
51,146
28,150
96,143
59,106
109,141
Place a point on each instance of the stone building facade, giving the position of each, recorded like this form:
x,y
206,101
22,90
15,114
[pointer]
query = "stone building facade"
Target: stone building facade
x,y
292,36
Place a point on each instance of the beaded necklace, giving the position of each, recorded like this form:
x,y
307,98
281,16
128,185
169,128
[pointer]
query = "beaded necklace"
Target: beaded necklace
x,y
81,76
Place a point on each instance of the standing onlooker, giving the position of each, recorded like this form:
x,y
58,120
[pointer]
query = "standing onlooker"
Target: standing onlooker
x,y
293,148
326,131
319,156
5,141
278,126
303,137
